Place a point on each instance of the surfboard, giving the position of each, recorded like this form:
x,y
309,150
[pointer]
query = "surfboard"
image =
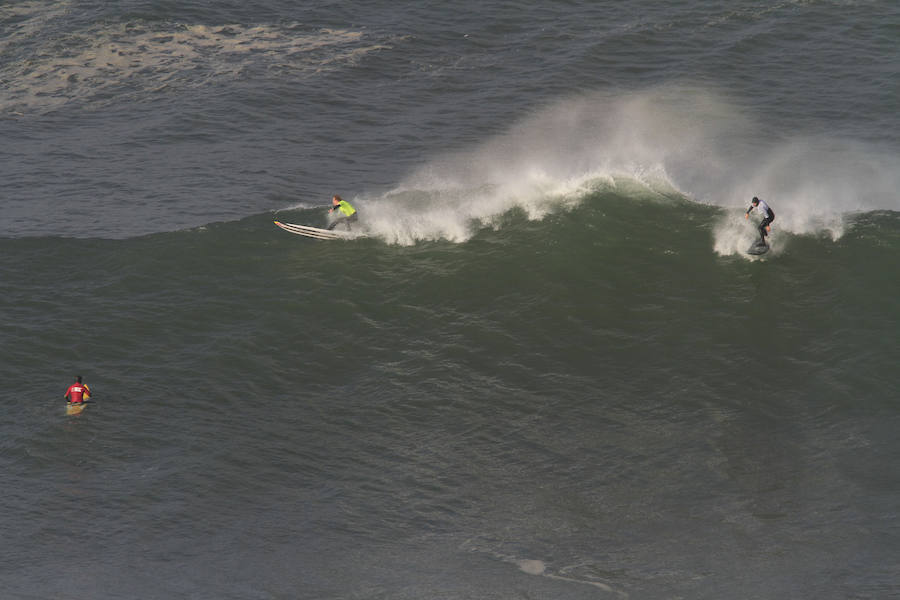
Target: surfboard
x,y
74,408
758,248
313,232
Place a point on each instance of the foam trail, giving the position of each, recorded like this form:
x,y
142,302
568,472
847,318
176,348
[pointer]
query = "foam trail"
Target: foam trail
x,y
733,235
539,568
53,63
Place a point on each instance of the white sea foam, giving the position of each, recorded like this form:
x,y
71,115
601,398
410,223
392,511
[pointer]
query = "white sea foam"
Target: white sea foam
x,y
570,574
673,142
814,185
136,59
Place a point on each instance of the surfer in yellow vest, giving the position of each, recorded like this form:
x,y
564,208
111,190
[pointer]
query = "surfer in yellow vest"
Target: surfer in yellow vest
x,y
78,392
348,213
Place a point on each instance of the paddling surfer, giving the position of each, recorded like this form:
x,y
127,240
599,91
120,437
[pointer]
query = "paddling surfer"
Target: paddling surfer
x,y
768,217
347,214
78,392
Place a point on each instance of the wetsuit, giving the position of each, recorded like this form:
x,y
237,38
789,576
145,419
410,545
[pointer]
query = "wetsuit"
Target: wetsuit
x,y
768,217
348,214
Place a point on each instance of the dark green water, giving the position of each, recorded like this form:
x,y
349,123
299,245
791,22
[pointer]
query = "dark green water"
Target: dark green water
x,y
599,376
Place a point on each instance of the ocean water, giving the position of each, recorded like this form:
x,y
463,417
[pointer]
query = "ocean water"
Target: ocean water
x,y
542,366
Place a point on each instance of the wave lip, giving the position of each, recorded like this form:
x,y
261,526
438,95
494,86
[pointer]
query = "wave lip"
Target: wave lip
x,y
676,142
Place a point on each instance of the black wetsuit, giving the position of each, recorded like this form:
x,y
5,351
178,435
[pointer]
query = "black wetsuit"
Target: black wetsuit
x,y
768,217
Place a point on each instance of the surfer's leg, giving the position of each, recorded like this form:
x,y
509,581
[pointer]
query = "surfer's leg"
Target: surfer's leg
x,y
762,228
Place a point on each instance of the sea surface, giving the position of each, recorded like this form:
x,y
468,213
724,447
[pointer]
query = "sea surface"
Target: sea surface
x,y
541,366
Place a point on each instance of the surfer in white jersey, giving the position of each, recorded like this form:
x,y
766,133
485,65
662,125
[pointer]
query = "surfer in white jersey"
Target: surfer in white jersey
x,y
768,217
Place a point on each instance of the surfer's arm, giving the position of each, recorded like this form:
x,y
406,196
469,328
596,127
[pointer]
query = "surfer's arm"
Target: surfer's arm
x,y
747,214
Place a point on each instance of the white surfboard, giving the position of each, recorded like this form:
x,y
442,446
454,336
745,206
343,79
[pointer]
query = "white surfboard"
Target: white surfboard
x,y
313,232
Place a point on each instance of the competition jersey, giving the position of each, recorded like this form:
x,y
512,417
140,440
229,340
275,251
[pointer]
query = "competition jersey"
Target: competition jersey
x,y
764,209
76,392
346,208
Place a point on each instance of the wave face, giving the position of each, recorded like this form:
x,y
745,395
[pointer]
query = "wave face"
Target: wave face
x,y
541,366
450,400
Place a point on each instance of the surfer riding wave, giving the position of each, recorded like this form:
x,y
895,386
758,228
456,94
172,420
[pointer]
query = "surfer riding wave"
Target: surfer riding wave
x,y
348,213
768,217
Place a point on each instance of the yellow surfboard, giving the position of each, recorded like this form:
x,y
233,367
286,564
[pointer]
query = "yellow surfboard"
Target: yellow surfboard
x,y
74,408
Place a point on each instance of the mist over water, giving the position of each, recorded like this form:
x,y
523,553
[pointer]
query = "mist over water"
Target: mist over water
x,y
673,143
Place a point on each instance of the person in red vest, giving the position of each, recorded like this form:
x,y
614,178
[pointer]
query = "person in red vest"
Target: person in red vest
x,y
78,392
